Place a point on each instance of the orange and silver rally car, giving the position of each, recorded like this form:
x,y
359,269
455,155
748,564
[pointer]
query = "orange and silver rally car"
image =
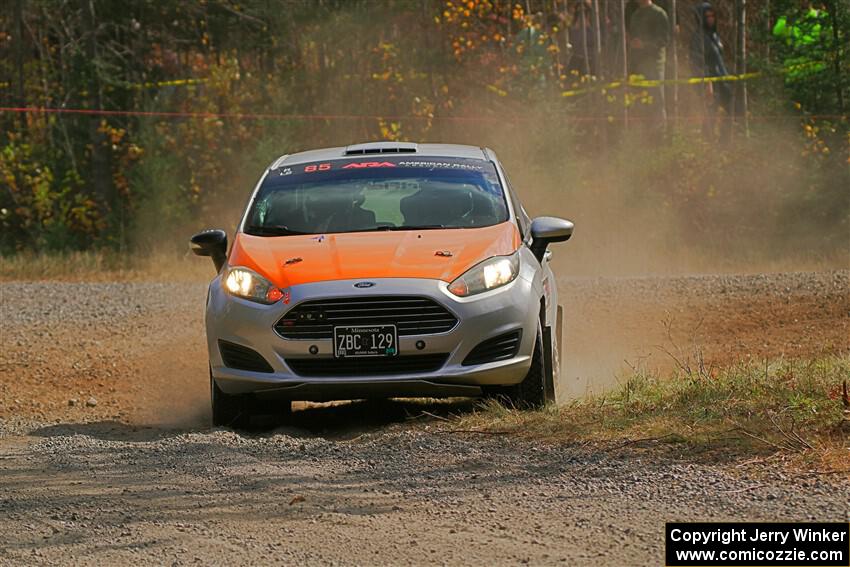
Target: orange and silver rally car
x,y
382,270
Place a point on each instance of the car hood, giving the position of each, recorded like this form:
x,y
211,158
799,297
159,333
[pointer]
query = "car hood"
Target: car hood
x,y
441,254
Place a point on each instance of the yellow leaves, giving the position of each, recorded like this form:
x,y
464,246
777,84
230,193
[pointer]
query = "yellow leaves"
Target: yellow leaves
x,y
134,151
389,130
497,90
815,140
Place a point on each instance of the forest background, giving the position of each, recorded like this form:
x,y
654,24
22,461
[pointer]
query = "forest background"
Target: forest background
x,y
126,127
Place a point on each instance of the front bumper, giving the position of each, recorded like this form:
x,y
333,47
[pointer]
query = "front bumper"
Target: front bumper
x,y
514,306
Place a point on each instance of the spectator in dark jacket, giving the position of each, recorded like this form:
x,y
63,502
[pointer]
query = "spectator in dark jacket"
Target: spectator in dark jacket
x,y
706,55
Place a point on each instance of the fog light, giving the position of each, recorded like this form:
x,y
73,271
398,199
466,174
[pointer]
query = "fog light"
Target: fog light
x,y
420,345
314,349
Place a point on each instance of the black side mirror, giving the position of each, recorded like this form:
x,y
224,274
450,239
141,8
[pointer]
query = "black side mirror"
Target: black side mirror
x,y
545,230
212,243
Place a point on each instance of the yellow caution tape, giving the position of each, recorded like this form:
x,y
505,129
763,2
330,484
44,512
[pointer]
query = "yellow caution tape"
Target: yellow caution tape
x,y
639,82
173,83
148,85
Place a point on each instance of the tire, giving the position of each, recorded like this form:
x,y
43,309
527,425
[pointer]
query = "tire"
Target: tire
x,y
276,412
238,411
538,387
227,410
557,346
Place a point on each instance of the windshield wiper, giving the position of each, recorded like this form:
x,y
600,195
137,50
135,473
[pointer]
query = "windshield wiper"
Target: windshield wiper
x,y
387,228
413,227
272,230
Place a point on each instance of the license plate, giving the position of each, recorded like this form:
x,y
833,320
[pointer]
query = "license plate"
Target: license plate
x,y
378,340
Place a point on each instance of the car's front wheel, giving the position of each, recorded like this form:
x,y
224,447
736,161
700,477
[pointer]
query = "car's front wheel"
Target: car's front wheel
x,y
227,410
538,387
238,411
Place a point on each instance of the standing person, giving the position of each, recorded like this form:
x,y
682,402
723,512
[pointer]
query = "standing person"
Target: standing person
x,y
633,5
649,34
706,55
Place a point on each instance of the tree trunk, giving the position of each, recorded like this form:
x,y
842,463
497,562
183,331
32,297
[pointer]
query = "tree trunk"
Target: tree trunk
x,y
674,58
584,50
597,36
20,101
741,62
101,182
836,53
768,30
625,53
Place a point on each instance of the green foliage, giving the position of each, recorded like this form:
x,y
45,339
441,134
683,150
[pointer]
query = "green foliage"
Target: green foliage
x,y
811,52
47,210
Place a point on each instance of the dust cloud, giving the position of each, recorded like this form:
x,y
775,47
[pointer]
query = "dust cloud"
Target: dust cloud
x,y
642,208
687,206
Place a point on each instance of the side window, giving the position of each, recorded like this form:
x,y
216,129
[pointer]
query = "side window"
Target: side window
x,y
523,221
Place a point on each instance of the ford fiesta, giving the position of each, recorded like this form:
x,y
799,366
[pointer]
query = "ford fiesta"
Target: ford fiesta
x,y
382,270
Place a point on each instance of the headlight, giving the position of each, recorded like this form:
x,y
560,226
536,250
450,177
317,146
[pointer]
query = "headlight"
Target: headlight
x,y
489,274
250,285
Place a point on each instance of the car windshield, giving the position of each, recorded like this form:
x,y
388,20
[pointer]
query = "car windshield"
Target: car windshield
x,y
377,194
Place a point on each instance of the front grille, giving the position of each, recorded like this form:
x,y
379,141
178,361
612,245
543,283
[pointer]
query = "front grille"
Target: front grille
x,y
411,316
242,358
498,348
379,366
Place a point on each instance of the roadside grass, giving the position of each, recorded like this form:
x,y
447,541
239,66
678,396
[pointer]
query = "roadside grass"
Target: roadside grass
x,y
786,409
105,265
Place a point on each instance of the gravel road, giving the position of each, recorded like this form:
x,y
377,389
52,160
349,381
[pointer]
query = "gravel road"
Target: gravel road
x,y
105,456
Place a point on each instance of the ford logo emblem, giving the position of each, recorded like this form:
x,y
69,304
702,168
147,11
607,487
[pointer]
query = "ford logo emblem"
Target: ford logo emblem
x,y
364,284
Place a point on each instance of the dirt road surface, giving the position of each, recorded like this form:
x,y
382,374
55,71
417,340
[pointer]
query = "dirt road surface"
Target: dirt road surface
x,y
106,458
